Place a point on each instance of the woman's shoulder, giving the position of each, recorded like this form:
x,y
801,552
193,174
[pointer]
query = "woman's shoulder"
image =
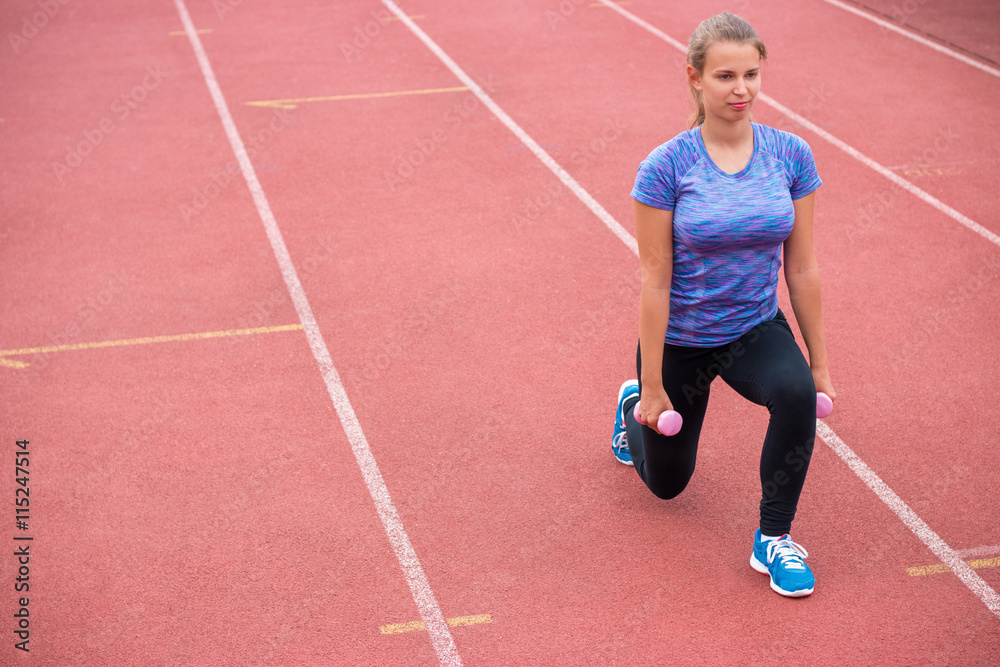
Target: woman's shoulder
x,y
680,148
794,155
781,142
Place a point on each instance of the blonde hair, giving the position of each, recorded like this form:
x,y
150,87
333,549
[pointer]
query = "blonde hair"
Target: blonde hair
x,y
723,27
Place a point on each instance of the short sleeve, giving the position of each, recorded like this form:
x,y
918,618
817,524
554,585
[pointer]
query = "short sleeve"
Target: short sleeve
x,y
801,168
656,183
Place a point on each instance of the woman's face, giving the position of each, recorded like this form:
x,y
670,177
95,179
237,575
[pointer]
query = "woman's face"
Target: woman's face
x,y
730,80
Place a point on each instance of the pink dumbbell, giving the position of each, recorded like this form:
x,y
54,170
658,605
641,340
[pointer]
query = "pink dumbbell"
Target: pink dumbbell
x,y
669,422
824,406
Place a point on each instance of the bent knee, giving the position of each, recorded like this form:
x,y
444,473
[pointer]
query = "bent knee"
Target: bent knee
x,y
797,396
668,491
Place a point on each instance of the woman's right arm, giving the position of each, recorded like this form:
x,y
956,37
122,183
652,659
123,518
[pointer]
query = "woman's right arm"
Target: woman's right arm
x,y
655,235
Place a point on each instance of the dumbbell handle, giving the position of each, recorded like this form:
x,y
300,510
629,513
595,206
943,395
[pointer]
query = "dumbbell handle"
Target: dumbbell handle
x,y
668,423
824,406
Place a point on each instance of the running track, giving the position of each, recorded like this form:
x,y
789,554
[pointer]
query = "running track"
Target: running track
x,y
285,407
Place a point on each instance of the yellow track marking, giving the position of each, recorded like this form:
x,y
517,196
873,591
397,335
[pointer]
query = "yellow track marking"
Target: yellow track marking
x,y
180,33
398,628
137,341
941,567
293,103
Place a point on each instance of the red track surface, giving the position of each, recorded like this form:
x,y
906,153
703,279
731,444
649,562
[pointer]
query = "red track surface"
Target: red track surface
x,y
197,501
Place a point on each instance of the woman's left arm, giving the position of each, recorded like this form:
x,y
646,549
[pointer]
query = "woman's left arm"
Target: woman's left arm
x,y
802,278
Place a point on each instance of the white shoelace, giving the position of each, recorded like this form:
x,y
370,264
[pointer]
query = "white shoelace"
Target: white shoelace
x,y
619,442
790,553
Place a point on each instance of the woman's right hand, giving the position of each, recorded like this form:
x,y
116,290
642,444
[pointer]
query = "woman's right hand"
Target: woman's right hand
x,y
653,403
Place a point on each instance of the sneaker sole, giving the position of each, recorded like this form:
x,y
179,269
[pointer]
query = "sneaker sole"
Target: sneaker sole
x,y
623,462
760,567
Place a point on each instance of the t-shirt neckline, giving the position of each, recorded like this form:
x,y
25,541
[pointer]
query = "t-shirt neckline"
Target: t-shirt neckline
x,y
718,169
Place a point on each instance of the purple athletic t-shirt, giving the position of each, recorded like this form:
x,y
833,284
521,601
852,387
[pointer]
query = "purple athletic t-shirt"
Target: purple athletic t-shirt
x,y
728,229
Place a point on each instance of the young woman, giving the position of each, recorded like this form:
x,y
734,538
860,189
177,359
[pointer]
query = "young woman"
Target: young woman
x,y
715,208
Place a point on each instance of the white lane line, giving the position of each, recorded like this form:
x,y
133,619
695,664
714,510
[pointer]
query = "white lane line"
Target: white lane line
x,y
885,171
853,152
916,38
974,582
430,613
978,552
914,522
524,137
948,556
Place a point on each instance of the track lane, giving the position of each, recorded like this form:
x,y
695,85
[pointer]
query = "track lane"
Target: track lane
x,y
965,26
517,568
184,562
409,461
954,300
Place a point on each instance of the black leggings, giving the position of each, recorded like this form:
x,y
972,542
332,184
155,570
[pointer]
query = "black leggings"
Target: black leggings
x,y
765,366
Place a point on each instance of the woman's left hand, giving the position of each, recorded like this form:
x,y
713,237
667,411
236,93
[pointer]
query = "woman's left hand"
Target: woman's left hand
x,y
821,376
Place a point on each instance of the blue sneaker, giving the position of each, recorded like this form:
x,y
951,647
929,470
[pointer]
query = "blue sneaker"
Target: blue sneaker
x,y
783,560
619,443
